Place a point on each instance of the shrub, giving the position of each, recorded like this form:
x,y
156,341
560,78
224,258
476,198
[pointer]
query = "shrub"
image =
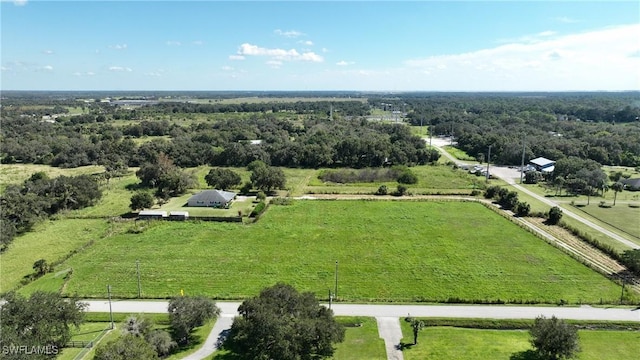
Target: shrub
x,y
522,209
261,196
382,190
259,209
401,190
407,177
554,216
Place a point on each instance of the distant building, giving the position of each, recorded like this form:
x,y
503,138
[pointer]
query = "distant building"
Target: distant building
x,y
178,215
212,198
631,184
152,214
543,165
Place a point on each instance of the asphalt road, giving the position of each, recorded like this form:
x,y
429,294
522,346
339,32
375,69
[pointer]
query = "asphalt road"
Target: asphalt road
x,y
374,310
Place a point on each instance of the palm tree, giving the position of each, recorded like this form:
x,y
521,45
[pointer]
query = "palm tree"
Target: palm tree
x,y
616,187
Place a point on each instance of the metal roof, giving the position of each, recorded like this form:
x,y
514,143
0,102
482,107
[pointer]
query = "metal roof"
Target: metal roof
x,y
542,162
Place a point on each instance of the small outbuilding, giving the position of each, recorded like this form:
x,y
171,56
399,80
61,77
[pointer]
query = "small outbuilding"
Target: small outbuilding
x,y
212,198
152,215
178,215
543,164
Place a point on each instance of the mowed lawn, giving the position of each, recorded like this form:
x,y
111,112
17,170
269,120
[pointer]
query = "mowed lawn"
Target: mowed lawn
x,y
386,251
450,343
621,216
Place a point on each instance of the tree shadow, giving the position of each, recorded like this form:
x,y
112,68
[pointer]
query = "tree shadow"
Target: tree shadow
x,y
134,187
526,355
404,346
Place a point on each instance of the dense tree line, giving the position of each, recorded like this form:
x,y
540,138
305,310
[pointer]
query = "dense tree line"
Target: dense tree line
x,y
600,127
39,197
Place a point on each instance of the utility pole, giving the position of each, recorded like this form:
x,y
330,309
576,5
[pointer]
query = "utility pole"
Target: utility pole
x,y
522,163
110,311
335,292
488,162
138,272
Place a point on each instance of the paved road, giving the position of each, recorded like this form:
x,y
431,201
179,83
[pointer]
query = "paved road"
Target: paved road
x,y
387,316
512,176
372,310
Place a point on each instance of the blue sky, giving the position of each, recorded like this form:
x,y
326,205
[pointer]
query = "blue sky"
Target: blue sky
x,y
321,45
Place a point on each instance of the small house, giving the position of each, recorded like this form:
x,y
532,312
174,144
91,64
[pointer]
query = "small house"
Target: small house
x,y
152,215
631,184
212,198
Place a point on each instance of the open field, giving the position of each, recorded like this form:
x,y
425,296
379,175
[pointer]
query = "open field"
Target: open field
x,y
458,154
399,251
266,99
440,343
51,240
17,173
621,217
431,180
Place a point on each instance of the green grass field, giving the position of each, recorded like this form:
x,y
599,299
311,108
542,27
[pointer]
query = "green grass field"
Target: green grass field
x,y
360,342
431,180
51,240
458,154
387,251
450,343
17,173
621,217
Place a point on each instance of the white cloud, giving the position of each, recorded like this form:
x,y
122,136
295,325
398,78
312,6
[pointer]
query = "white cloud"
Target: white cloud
x,y
325,50
529,38
236,57
118,46
198,43
306,42
20,2
47,67
345,63
173,43
278,54
87,73
120,69
4,68
289,33
595,60
47,52
227,68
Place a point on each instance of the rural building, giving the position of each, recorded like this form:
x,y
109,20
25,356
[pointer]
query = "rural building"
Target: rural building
x,y
179,215
631,184
152,214
543,165
212,198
